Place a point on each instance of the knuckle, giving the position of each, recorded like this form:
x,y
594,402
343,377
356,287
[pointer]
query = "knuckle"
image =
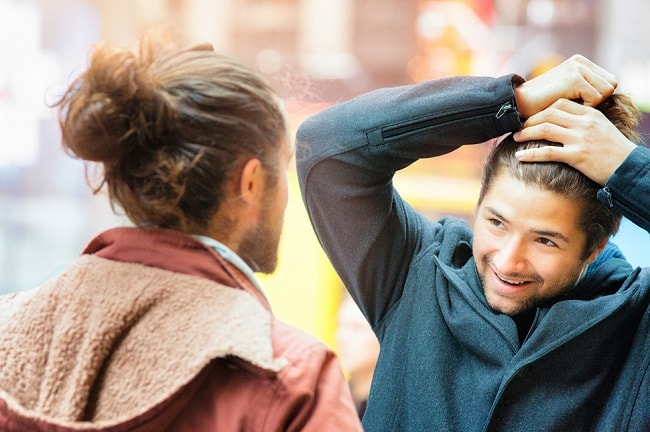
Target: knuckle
x,y
558,105
553,113
547,151
591,124
546,128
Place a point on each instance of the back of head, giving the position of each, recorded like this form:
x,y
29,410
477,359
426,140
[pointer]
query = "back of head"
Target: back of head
x,y
169,127
598,221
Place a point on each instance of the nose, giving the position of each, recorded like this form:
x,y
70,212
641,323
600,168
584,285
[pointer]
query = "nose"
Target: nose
x,y
511,257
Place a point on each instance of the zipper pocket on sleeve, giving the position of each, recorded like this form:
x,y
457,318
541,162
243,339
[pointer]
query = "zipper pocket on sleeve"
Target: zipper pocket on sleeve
x,y
403,129
627,208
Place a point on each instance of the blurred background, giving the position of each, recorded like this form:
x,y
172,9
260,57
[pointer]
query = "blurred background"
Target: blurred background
x,y
317,52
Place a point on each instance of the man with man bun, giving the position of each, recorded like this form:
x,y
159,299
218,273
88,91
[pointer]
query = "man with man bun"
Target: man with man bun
x,y
163,326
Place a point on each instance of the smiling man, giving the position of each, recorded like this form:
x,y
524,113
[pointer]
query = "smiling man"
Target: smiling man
x,y
526,253
532,321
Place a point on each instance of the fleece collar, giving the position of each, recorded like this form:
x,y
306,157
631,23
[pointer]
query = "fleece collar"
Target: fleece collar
x,y
138,332
174,251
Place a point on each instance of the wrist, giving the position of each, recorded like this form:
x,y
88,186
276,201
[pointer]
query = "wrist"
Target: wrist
x,y
522,97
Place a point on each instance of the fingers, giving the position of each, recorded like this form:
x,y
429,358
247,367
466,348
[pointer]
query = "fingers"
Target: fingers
x,y
590,142
544,131
577,78
596,83
556,123
560,111
543,154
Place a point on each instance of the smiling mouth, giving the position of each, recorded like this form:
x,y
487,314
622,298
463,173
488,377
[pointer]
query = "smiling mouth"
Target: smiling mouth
x,y
511,282
519,280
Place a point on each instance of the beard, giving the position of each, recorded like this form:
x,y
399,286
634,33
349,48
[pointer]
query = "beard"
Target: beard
x,y
259,247
553,290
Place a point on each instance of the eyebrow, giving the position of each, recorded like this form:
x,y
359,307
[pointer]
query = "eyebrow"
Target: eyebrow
x,y
543,233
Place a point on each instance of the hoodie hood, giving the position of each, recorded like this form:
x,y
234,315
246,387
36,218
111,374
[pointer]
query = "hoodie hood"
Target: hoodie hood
x,y
84,353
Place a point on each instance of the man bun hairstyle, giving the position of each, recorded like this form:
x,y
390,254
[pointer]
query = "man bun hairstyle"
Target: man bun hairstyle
x,y
168,126
598,221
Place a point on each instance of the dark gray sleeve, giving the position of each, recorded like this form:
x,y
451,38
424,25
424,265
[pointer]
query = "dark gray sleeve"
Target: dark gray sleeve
x,y
347,156
628,189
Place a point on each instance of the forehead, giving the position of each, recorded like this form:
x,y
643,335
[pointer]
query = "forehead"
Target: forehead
x,y
532,207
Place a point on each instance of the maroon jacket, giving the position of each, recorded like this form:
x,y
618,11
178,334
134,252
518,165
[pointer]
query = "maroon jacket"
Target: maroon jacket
x,y
150,330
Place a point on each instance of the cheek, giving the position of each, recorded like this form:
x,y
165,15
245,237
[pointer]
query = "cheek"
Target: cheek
x,y
481,242
551,268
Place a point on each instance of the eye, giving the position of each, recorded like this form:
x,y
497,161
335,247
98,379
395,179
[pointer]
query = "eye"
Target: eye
x,y
496,223
547,242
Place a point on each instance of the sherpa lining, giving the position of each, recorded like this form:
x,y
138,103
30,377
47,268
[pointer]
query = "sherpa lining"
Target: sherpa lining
x,y
108,340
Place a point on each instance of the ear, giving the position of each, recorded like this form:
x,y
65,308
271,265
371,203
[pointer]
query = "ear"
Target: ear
x,y
251,183
597,251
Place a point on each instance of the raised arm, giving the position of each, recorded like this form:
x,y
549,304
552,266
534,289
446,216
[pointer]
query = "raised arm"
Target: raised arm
x,y
347,156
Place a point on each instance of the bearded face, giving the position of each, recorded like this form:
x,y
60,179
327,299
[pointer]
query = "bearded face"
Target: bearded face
x,y
527,245
259,246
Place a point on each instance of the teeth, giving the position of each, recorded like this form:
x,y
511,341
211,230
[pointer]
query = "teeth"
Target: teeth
x,y
512,282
